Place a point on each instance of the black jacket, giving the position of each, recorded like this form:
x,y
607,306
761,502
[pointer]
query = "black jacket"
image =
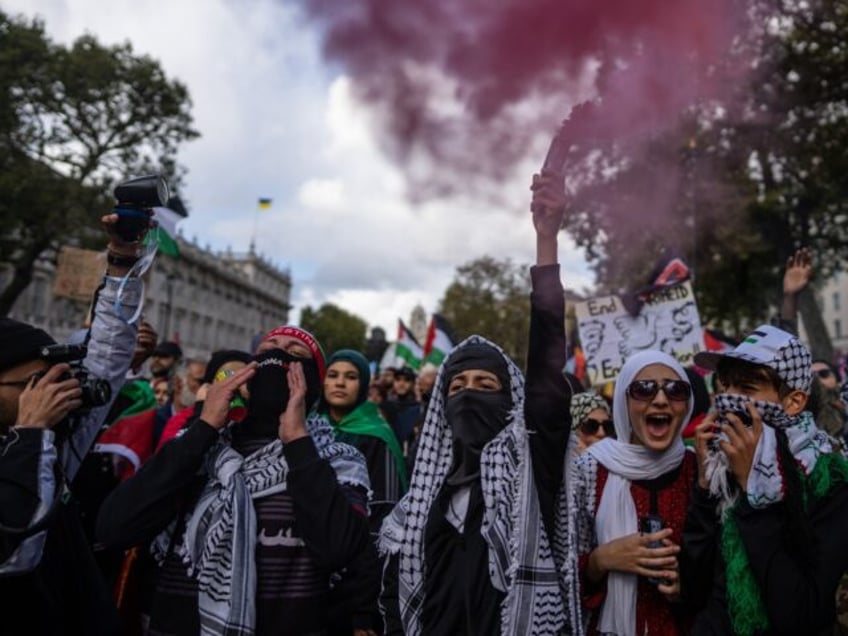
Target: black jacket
x,y
546,416
65,593
799,598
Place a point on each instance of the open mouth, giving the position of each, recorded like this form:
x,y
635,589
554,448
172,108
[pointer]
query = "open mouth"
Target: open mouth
x,y
658,426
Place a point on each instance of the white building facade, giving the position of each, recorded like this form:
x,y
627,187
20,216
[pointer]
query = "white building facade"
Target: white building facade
x,y
205,301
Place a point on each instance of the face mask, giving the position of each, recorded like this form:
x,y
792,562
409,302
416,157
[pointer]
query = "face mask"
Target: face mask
x,y
771,413
475,418
269,386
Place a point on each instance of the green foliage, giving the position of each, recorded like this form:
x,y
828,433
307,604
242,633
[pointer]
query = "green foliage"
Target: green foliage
x,y
491,298
74,122
742,183
334,327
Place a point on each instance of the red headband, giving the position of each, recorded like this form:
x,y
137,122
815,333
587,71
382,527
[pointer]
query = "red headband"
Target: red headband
x,y
306,338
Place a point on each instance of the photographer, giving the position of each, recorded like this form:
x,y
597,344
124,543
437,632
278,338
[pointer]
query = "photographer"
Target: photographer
x,y
48,422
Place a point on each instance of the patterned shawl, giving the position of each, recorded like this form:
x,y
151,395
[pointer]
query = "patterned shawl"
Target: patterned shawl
x,y
219,541
521,562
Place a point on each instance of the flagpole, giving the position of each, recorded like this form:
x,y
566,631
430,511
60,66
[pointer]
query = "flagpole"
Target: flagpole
x,y
253,234
261,204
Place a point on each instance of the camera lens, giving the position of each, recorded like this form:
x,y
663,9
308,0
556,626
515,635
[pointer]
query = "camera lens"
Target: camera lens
x,y
95,393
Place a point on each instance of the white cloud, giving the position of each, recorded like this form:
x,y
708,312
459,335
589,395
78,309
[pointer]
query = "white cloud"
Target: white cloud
x,y
276,124
322,194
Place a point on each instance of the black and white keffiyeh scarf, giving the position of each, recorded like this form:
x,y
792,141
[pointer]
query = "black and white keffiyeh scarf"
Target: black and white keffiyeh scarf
x,y
521,562
765,481
219,541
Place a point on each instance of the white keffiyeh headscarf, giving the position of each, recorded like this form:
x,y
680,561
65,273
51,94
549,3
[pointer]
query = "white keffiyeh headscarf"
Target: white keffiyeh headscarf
x,y
219,541
521,563
765,481
616,514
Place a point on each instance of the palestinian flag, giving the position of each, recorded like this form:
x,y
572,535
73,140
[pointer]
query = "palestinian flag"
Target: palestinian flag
x,y
407,348
439,340
131,434
166,231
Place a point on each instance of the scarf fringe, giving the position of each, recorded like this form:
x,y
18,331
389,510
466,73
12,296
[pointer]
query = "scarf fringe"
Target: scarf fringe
x,y
720,484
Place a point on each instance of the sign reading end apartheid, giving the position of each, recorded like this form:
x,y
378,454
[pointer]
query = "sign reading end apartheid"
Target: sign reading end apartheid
x,y
668,322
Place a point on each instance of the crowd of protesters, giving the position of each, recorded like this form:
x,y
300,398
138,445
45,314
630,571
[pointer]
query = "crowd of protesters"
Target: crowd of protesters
x,y
284,491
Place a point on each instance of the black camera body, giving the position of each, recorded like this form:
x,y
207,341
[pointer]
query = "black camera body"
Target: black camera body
x,y
95,391
135,199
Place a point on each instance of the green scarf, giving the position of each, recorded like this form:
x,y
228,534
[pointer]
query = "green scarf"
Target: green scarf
x,y
744,603
140,395
366,419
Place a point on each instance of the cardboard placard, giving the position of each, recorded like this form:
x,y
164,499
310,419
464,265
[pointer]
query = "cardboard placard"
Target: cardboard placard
x,y
78,273
668,322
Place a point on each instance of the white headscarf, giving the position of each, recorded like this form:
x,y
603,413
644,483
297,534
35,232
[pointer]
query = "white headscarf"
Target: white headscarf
x,y
626,462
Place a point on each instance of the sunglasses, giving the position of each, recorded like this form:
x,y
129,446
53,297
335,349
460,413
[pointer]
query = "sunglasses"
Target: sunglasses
x,y
646,390
590,426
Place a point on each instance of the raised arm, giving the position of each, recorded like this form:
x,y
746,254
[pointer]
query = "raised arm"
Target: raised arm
x,y
547,392
797,276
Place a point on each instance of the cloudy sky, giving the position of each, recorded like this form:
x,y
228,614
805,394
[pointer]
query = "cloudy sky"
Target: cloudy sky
x,y
278,122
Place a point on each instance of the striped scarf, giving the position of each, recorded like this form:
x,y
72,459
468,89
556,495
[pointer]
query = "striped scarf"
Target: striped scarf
x,y
521,561
219,542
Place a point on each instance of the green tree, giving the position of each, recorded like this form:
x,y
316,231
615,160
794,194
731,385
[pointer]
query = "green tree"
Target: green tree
x,y
334,327
746,181
74,121
491,298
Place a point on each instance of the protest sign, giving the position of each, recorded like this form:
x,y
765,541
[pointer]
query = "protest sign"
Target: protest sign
x,y
78,273
668,322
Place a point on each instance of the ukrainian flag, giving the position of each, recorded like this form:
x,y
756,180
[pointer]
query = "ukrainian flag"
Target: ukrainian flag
x,y
264,204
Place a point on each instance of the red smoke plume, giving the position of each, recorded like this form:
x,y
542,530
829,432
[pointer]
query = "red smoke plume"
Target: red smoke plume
x,y
514,66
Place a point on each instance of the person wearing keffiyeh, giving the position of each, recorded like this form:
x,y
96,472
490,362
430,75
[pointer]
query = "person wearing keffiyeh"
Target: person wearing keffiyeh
x,y
248,521
769,517
467,548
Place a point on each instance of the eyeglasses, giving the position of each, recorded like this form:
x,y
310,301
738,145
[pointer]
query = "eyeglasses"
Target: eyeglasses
x,y
590,426
824,373
646,390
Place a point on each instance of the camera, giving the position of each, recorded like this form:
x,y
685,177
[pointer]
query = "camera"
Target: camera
x,y
95,391
135,199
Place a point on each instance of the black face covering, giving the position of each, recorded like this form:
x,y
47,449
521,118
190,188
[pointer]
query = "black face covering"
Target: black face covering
x,y
269,389
475,418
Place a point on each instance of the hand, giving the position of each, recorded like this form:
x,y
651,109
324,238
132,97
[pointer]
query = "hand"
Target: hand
x,y
670,577
46,402
201,392
548,203
741,443
117,245
632,554
145,343
216,406
704,432
799,271
293,419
